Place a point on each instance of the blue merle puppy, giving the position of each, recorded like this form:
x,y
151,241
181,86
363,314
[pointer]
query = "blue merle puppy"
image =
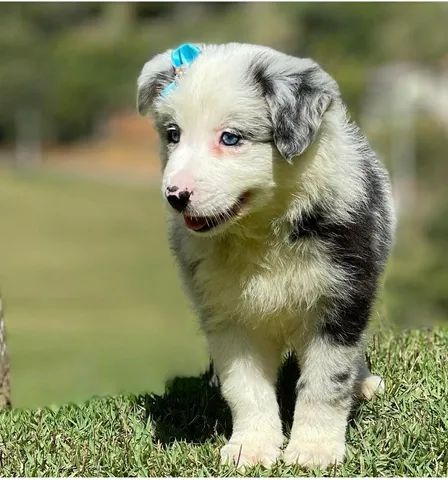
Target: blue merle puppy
x,y
281,220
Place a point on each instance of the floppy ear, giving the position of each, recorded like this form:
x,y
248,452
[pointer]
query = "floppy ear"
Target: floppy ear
x,y
298,92
154,77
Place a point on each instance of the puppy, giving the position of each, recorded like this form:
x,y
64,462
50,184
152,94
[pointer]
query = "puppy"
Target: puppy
x,y
281,222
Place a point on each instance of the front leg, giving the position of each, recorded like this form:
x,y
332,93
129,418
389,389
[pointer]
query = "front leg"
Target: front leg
x,y
247,363
324,398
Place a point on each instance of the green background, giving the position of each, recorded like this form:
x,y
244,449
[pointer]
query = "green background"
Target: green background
x,y
93,301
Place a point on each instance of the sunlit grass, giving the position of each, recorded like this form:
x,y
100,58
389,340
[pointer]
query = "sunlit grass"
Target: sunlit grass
x,y
402,433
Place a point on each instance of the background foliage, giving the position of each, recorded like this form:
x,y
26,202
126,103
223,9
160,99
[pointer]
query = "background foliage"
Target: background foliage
x,y
91,292
53,55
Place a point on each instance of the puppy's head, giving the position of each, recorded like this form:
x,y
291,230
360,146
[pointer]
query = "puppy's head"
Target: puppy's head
x,y
235,112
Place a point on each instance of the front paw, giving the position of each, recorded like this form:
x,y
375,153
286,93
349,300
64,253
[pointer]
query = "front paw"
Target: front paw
x,y
310,454
250,451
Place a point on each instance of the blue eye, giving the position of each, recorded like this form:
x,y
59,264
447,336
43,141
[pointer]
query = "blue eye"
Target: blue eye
x,y
230,139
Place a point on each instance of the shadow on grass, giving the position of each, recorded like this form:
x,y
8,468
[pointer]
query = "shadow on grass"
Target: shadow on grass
x,y
192,409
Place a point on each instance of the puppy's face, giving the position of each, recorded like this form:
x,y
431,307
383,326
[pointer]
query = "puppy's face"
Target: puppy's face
x,y
228,119
217,145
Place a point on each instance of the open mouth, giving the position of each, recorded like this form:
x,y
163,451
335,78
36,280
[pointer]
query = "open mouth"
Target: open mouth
x,y
204,224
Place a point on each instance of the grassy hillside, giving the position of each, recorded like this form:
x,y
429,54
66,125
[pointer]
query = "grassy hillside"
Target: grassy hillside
x,y
402,433
92,297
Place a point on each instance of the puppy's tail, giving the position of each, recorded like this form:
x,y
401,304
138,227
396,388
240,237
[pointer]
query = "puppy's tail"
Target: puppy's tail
x,y
5,389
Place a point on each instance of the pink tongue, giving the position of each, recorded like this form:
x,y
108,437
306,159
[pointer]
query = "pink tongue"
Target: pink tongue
x,y
194,223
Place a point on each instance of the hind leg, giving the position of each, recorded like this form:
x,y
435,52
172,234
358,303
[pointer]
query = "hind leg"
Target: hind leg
x,y
368,385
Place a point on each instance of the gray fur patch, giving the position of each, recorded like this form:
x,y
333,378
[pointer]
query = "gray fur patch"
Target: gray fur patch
x,y
341,377
151,89
298,93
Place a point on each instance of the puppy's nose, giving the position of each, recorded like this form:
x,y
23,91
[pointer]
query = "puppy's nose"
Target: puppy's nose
x,y
178,199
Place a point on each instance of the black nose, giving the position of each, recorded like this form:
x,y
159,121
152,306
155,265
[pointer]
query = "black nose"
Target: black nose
x,y
178,200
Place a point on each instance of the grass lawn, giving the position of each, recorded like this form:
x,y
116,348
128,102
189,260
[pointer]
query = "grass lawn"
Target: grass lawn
x,y
92,297
402,433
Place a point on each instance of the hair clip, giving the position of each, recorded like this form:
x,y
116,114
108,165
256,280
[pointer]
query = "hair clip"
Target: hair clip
x,y
181,58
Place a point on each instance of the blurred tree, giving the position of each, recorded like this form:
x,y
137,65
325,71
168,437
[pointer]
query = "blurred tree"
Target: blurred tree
x,y
75,62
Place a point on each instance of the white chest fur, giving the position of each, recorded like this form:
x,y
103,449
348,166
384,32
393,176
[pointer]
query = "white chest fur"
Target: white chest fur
x,y
258,282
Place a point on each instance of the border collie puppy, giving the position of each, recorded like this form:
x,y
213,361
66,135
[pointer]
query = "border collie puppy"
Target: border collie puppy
x,y
281,221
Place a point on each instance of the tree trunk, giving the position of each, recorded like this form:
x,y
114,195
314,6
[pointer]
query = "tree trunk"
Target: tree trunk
x,y
5,391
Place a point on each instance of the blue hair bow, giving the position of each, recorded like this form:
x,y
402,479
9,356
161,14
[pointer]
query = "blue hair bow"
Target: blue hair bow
x,y
181,58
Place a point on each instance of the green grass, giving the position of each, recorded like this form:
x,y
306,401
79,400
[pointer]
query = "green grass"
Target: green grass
x,y
402,433
92,296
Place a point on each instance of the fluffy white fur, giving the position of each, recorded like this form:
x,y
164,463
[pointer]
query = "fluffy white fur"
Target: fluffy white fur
x,y
257,293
